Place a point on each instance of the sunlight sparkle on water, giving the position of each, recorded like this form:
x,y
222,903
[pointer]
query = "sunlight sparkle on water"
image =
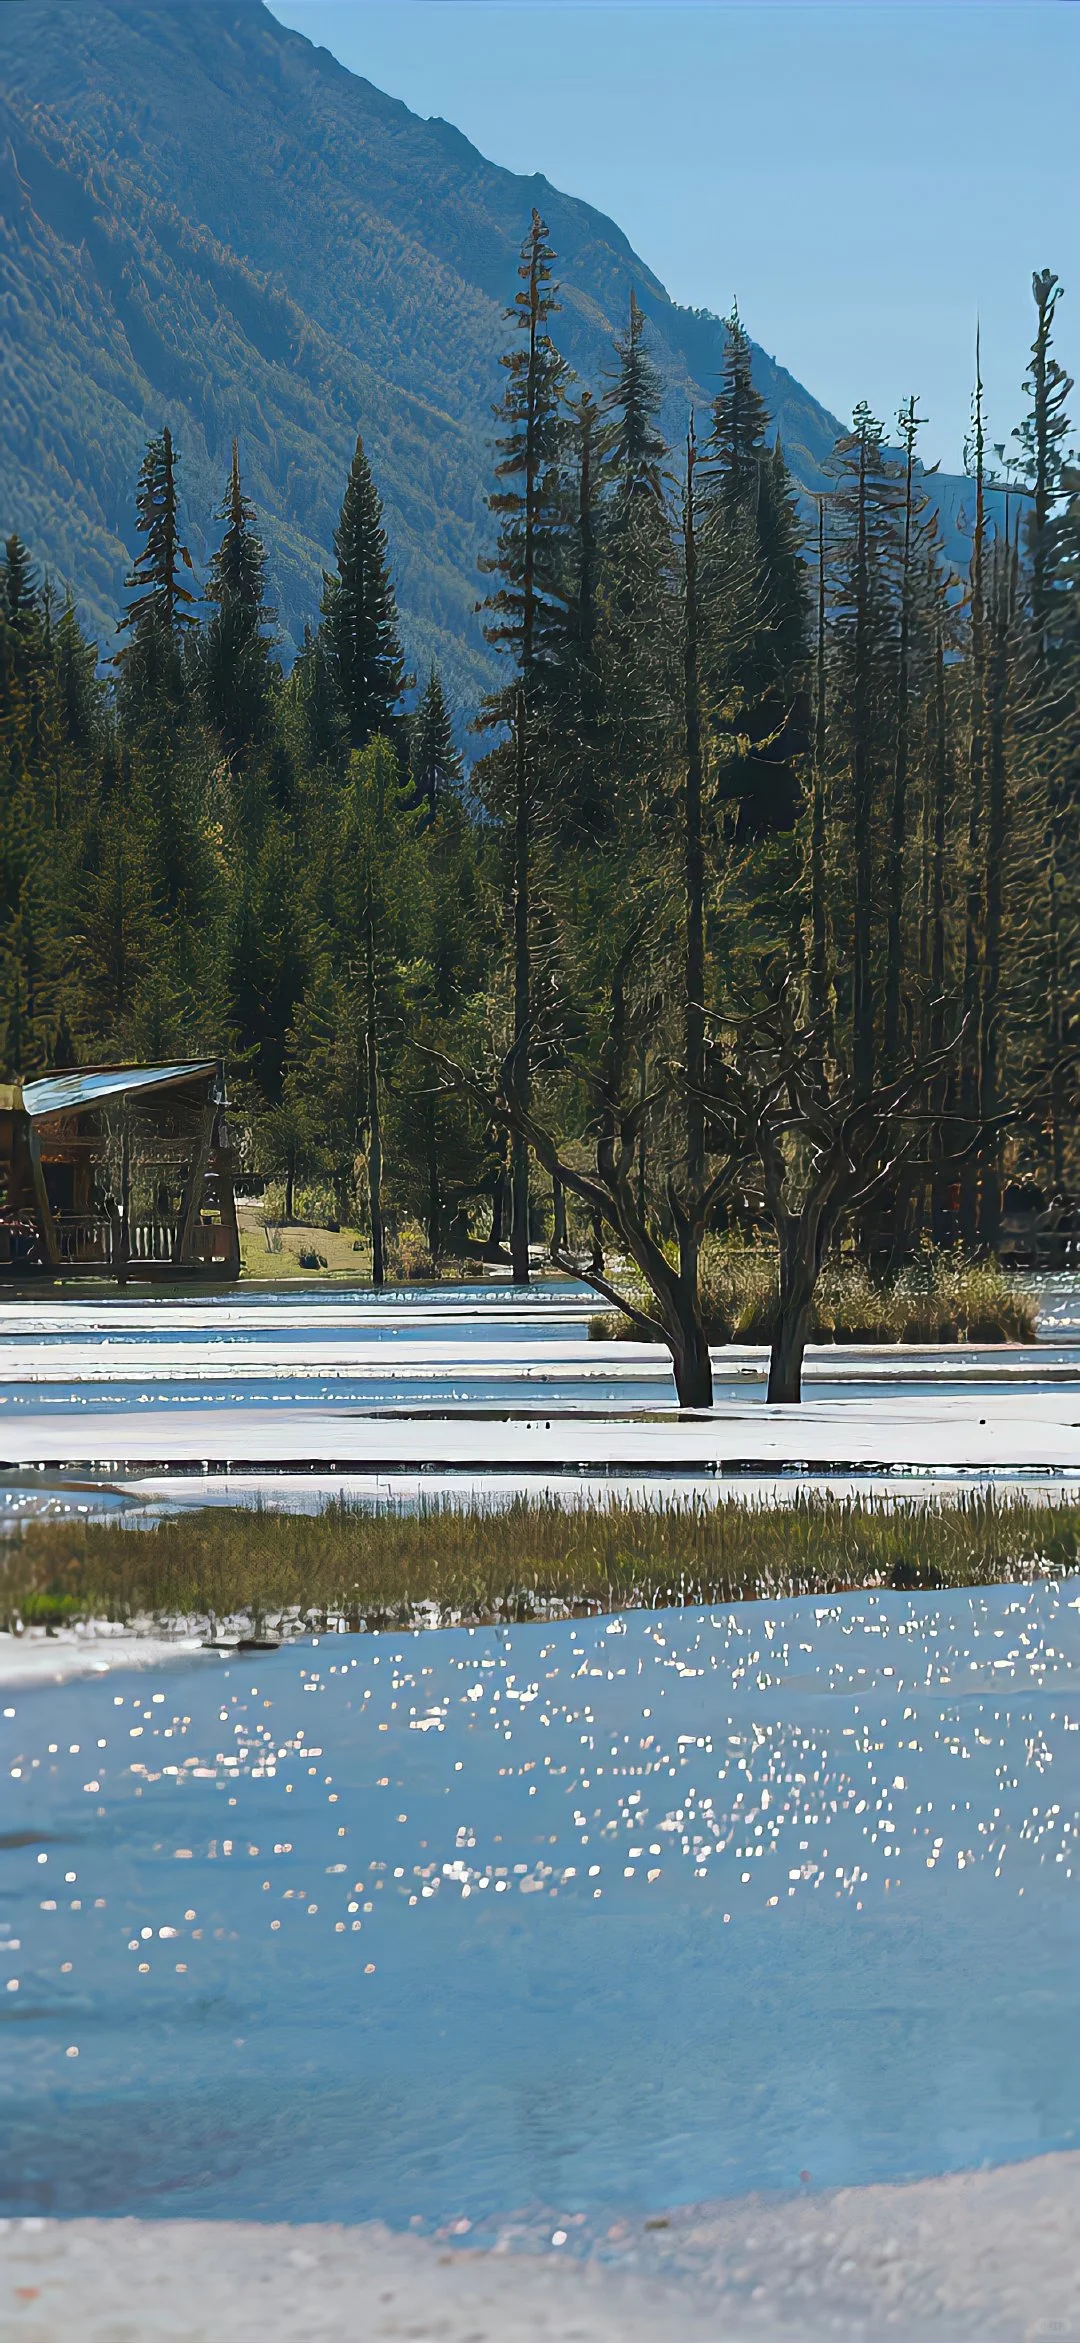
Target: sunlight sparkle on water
x,y
547,1924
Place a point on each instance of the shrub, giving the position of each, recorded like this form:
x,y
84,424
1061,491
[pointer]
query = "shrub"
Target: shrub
x,y
937,1297
408,1255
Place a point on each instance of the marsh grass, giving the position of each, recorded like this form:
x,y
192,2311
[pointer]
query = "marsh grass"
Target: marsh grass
x,y
532,1559
937,1297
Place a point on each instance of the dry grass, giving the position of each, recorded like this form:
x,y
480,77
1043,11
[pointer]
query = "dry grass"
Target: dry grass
x,y
534,1558
938,1297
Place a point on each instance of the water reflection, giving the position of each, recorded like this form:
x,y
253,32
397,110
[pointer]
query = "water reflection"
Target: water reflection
x,y
589,1918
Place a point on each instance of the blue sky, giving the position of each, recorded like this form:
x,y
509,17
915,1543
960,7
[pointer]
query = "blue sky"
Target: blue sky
x,y
866,177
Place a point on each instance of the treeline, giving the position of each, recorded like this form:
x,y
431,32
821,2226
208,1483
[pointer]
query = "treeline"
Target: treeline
x,y
754,782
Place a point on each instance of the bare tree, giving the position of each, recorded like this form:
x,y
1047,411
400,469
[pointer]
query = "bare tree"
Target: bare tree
x,y
611,1189
806,1144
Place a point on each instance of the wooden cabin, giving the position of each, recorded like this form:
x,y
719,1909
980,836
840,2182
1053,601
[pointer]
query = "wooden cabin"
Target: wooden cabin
x,y
120,1172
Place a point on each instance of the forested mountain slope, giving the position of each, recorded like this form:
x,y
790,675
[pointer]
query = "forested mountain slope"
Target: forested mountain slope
x,y
207,221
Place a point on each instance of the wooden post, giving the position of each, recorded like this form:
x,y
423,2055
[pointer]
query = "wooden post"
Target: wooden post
x,y
125,1198
227,1202
196,1176
41,1198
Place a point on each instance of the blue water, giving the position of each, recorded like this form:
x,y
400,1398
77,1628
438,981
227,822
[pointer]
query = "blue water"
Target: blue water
x,y
594,1918
396,1394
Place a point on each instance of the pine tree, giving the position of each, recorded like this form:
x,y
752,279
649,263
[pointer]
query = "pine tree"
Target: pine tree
x,y
21,595
737,447
528,500
313,698
968,1083
638,453
161,602
525,610
1041,443
638,649
582,794
435,759
757,530
63,1052
115,926
383,910
359,612
79,689
268,957
1041,440
912,562
35,861
865,508
235,657
1000,665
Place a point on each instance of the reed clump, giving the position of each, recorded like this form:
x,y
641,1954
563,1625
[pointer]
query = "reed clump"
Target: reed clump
x,y
349,1566
937,1297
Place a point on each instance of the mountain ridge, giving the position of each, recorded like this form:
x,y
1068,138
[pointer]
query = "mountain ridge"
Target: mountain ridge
x,y
210,222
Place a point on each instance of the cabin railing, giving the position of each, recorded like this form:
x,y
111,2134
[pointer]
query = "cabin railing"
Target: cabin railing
x,y
85,1237
90,1238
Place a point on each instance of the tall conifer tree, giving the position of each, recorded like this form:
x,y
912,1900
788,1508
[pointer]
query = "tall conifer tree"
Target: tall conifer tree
x,y
359,609
435,759
235,652
1041,441
638,450
638,637
525,611
758,532
161,602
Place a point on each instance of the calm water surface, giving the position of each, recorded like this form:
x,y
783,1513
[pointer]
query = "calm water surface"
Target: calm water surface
x,y
584,1921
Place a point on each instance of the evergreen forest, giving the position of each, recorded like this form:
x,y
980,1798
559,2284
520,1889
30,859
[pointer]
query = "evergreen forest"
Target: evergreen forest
x,y
746,899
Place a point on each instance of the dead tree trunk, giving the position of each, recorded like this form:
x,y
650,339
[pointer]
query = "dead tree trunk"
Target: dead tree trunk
x,y
792,1330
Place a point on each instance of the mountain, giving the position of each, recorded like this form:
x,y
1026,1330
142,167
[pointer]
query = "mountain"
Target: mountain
x,y
207,221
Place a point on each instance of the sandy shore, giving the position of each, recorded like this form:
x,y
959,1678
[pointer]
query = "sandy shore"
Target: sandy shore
x,y
976,2256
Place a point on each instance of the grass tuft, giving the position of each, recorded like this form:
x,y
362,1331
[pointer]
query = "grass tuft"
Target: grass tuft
x,y
938,1297
533,1559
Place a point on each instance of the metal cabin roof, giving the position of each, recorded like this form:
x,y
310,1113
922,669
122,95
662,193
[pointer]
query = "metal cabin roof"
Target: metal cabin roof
x,y
87,1086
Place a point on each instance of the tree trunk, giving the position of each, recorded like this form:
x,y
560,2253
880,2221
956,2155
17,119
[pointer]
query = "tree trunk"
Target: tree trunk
x,y
942,780
786,1356
559,1238
690,1358
694,1001
969,1070
124,1248
642,1168
800,1248
862,808
819,937
498,1203
375,1160
519,1176
1055,1022
994,904
898,816
290,1185
434,1199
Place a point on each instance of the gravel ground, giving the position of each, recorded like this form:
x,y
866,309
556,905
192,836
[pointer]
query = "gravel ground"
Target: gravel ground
x,y
989,2257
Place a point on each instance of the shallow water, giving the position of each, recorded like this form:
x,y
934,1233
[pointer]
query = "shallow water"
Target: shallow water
x,y
577,1921
469,1390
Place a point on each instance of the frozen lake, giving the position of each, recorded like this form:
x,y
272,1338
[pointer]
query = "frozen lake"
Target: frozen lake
x,y
546,1926
119,1400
